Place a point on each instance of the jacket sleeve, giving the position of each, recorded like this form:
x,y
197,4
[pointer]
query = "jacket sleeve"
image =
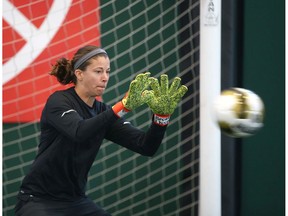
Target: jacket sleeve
x,y
59,113
143,142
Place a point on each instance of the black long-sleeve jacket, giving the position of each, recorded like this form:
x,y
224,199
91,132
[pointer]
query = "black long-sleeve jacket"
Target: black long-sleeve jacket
x,y
71,135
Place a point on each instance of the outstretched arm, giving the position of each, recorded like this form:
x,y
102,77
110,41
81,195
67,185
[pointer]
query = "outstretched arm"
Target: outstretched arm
x,y
143,142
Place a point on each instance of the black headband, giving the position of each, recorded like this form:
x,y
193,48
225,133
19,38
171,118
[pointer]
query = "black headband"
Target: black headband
x,y
87,56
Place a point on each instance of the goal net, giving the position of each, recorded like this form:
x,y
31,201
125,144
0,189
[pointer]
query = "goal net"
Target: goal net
x,y
139,36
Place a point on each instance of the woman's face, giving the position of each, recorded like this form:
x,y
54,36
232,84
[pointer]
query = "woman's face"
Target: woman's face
x,y
95,78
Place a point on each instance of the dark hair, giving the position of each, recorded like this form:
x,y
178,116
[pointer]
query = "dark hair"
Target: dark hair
x,y
63,69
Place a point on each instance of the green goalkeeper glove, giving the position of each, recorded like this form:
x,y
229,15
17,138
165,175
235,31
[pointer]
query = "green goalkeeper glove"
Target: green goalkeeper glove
x,y
164,99
135,96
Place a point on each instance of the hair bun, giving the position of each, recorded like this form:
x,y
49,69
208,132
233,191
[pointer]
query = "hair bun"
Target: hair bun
x,y
63,71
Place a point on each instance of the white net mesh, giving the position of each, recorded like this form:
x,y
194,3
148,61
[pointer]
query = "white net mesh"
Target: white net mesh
x,y
156,36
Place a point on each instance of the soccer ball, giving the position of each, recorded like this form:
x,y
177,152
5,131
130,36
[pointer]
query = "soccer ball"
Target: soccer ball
x,y
239,112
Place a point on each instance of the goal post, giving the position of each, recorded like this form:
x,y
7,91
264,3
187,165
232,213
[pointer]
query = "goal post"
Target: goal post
x,y
210,85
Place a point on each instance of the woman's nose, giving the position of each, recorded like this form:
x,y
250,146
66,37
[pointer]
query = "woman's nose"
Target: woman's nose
x,y
105,77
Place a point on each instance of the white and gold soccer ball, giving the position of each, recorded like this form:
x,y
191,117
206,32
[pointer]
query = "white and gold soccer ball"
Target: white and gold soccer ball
x,y
239,112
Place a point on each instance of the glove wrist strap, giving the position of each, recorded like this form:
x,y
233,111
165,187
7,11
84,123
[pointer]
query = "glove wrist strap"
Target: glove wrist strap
x,y
161,120
119,109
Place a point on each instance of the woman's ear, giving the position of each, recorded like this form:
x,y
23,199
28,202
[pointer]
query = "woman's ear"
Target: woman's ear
x,y
79,74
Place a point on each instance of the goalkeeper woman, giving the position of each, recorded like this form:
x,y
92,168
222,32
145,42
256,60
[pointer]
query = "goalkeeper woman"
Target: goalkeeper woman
x,y
74,124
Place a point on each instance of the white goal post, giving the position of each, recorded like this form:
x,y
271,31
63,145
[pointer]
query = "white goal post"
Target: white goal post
x,y
210,84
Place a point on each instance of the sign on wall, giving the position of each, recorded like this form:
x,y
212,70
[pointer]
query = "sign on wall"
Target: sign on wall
x,y
35,34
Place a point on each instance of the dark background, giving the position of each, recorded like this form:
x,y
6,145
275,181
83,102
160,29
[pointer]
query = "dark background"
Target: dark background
x,y
263,156
253,57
